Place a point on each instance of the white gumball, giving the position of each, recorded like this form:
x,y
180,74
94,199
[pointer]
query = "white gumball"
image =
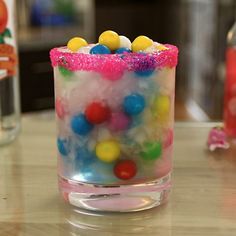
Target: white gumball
x,y
125,42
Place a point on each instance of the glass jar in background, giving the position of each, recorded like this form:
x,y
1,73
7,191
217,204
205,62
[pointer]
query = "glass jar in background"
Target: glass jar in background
x,y
230,85
9,91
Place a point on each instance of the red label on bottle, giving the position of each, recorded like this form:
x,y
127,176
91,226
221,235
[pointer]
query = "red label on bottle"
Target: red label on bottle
x,y
8,56
230,93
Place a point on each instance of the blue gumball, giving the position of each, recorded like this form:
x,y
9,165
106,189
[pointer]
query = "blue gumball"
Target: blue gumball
x,y
145,73
80,125
84,157
134,104
100,49
62,146
122,50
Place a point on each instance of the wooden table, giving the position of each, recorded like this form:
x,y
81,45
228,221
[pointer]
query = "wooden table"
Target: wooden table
x,y
203,200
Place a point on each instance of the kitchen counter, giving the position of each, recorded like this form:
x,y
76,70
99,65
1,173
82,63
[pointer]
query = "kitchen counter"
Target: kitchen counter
x,y
202,203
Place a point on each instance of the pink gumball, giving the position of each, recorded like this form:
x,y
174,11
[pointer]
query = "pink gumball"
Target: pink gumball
x,y
168,138
60,108
119,121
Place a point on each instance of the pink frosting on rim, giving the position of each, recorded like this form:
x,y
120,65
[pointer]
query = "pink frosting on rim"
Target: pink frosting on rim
x,y
114,65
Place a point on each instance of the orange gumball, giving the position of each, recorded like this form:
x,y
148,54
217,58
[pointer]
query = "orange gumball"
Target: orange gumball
x,y
3,16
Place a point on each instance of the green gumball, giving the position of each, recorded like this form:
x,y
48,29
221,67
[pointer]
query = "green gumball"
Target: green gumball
x,y
65,72
151,150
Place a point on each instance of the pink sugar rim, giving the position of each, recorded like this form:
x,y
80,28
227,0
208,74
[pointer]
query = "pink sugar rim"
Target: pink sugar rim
x,y
126,61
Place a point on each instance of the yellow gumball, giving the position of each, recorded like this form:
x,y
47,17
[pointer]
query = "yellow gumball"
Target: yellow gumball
x,y
161,106
108,151
161,47
110,39
76,43
141,43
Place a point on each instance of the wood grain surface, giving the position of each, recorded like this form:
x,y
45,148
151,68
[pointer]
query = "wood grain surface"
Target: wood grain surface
x,y
202,203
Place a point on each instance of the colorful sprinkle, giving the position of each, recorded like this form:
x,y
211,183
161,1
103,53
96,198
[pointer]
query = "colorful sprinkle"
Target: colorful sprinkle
x,y
130,62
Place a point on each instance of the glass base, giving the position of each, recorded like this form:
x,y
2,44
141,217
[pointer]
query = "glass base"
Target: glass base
x,y
116,198
9,128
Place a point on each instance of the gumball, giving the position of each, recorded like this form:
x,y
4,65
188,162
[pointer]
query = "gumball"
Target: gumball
x,y
62,146
133,104
119,121
83,157
108,151
80,125
110,39
145,73
141,43
161,47
76,43
125,169
86,50
65,72
124,42
168,138
161,106
97,113
100,49
151,150
122,50
60,108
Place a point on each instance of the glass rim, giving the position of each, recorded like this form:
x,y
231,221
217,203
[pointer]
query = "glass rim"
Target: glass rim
x,y
128,61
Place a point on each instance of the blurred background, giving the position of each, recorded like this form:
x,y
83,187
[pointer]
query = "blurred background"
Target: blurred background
x,y
197,27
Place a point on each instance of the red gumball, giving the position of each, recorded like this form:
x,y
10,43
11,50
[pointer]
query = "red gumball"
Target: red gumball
x,y
125,169
97,113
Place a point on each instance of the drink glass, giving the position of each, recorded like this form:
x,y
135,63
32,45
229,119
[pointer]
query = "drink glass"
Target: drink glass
x,y
115,116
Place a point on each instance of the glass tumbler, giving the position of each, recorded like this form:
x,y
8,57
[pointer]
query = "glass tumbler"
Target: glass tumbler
x,y
115,116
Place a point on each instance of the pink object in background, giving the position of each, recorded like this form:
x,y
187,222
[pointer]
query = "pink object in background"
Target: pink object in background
x,y
217,139
230,85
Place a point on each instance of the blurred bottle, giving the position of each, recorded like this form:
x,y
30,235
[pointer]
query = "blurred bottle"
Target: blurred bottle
x,y
9,91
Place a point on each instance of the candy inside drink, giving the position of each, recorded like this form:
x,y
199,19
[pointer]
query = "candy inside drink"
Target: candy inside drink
x,y
115,115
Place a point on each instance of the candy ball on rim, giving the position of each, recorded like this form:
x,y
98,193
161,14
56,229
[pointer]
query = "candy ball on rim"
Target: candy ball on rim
x,y
125,169
122,50
80,125
133,104
141,43
97,112
100,49
108,151
110,39
124,42
76,43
